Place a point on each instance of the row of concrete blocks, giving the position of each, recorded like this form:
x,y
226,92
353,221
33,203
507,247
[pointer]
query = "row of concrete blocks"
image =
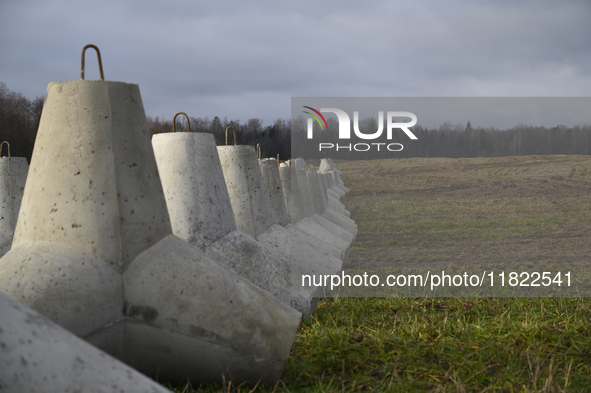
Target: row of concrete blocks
x,y
253,216
96,250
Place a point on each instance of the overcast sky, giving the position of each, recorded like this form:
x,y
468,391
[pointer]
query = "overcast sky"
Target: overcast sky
x,y
246,59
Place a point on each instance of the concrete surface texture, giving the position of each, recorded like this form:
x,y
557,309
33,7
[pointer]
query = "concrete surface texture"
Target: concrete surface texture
x,y
338,181
313,233
317,180
307,257
272,179
294,201
299,164
324,233
37,355
248,194
327,164
193,182
96,254
266,268
320,206
252,209
340,220
13,176
308,200
306,192
291,193
331,197
334,216
333,187
201,213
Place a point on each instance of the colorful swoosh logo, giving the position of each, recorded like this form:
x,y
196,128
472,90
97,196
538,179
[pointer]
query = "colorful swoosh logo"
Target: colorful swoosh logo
x,y
315,117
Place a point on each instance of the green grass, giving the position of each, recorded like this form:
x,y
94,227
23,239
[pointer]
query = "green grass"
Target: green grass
x,y
530,210
435,344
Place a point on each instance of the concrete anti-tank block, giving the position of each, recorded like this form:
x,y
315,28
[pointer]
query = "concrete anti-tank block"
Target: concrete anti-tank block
x,y
337,218
330,197
75,289
270,270
338,182
327,164
236,326
101,192
201,213
292,193
309,258
254,216
270,172
313,233
295,204
13,176
333,187
104,220
192,179
248,195
320,205
309,207
38,356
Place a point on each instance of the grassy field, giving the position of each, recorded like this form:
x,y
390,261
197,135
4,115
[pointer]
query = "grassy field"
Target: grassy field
x,y
507,212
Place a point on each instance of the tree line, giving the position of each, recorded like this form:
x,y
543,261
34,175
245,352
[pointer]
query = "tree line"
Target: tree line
x,y
273,139
448,140
19,121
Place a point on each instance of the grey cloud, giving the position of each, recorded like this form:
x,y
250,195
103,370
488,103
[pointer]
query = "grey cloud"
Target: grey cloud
x,y
247,59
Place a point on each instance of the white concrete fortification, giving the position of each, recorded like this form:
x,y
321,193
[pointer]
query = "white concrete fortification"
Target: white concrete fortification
x,y
272,180
201,213
96,253
252,210
13,176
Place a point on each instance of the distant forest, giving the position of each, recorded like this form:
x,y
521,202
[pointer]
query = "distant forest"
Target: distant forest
x,y
274,139
19,120
448,140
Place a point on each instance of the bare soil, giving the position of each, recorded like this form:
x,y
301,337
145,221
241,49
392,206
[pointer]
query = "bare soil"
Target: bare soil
x,y
513,213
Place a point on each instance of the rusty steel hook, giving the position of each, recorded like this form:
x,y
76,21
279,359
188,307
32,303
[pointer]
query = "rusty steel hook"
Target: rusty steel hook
x,y
234,131
98,55
7,148
174,122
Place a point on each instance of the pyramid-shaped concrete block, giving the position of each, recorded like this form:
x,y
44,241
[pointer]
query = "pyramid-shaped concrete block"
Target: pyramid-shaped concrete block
x,y
272,179
38,356
233,324
321,204
332,198
270,172
96,252
252,210
13,176
292,194
309,207
201,213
